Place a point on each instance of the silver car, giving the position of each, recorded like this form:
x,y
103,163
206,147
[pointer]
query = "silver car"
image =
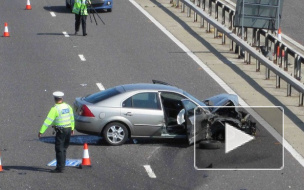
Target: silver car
x,y
140,110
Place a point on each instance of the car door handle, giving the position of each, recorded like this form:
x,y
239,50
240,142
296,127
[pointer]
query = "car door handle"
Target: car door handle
x,y
128,114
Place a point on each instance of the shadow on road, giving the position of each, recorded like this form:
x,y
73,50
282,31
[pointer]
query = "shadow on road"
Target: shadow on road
x,y
50,34
97,140
76,139
26,168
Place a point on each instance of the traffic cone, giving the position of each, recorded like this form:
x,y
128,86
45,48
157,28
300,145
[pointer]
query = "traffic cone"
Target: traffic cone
x,y
0,164
280,39
279,34
28,5
86,158
6,33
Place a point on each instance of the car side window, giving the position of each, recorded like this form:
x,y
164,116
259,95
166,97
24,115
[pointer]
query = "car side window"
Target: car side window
x,y
172,101
147,100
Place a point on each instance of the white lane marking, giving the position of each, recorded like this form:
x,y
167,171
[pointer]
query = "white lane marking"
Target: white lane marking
x,y
100,86
286,145
82,58
65,34
150,171
53,14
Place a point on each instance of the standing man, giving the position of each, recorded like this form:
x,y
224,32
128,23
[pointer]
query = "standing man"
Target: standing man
x,y
81,13
62,119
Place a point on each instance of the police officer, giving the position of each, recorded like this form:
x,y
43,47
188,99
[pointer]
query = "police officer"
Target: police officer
x,y
62,119
81,13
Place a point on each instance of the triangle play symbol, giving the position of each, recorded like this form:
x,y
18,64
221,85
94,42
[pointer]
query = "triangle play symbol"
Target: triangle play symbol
x,y
235,138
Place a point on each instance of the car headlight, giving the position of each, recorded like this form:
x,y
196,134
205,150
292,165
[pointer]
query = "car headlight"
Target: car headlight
x,y
109,3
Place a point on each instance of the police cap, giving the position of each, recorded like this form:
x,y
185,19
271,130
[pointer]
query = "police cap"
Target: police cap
x,y
58,94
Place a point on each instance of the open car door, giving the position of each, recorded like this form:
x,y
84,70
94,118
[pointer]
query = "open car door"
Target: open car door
x,y
188,116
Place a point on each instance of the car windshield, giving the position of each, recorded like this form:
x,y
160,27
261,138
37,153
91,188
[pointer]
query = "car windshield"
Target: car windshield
x,y
102,95
200,103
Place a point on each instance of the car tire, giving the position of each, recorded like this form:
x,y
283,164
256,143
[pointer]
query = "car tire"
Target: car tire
x,y
115,133
210,144
109,10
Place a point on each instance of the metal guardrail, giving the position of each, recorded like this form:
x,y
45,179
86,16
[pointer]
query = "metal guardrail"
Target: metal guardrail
x,y
204,9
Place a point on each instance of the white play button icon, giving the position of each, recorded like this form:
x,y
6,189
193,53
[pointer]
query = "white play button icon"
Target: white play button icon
x,y
235,138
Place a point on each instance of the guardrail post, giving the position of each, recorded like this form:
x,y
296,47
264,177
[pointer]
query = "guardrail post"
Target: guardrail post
x,y
223,15
230,20
223,39
245,34
202,25
281,56
295,64
297,67
183,7
257,66
245,57
208,27
210,8
288,89
231,45
215,31
258,38
216,12
301,97
203,6
267,73
254,40
285,61
188,12
278,81
177,4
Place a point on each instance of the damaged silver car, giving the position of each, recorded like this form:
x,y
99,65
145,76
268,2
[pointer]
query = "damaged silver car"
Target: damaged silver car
x,y
206,124
143,110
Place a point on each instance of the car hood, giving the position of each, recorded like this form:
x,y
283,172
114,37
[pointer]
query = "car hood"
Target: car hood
x,y
222,100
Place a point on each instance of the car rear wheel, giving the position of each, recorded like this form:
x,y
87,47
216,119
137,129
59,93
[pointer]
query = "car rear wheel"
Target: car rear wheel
x,y
115,133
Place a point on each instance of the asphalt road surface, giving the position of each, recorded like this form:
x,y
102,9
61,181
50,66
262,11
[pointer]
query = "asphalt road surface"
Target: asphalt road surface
x,y
38,59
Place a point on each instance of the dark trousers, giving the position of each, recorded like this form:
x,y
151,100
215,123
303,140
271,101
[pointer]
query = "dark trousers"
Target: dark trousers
x,y
83,20
62,141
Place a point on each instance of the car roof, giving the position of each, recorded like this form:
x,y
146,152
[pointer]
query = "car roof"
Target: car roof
x,y
148,86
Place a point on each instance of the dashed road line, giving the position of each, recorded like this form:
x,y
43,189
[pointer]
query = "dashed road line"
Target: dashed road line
x,y
82,58
53,14
150,171
100,86
65,34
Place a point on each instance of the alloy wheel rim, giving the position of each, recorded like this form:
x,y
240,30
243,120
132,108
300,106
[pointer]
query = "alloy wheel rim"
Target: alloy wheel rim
x,y
115,134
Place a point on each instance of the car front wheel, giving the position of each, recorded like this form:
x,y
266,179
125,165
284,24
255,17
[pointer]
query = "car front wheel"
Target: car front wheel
x,y
115,133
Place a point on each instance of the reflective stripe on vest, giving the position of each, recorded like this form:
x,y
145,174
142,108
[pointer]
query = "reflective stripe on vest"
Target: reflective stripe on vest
x,y
80,7
64,115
